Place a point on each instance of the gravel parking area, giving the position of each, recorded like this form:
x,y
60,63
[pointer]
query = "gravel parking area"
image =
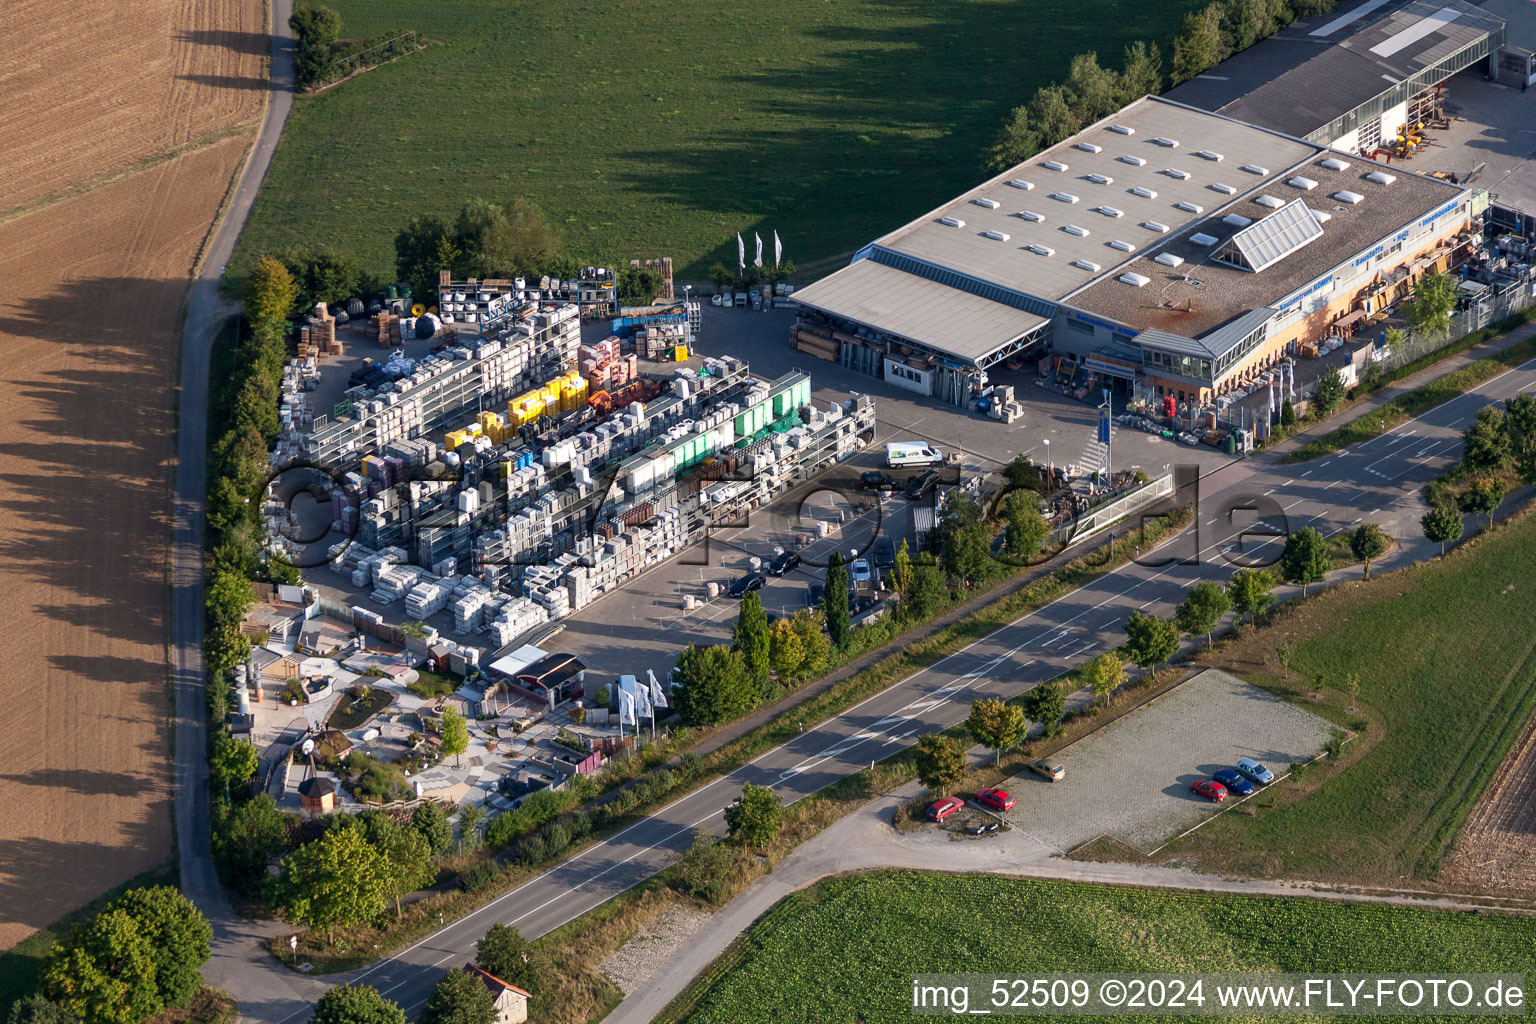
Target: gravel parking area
x,y
1130,780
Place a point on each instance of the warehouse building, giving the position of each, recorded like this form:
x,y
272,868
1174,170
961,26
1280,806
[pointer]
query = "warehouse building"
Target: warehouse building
x,y
1165,246
1355,78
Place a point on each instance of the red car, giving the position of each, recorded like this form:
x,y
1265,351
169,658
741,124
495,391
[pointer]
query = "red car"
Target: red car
x,y
941,809
1210,789
996,799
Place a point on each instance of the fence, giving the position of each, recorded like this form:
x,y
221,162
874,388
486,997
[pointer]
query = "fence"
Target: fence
x,y
1492,306
378,53
1098,519
344,614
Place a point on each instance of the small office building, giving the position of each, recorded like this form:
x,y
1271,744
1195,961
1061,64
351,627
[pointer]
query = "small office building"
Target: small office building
x,y
1166,246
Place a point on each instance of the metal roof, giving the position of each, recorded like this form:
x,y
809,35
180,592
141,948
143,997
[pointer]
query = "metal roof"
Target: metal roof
x,y
1272,239
1124,184
1304,77
942,318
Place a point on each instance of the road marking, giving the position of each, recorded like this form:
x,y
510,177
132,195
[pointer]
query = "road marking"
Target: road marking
x,y
1306,474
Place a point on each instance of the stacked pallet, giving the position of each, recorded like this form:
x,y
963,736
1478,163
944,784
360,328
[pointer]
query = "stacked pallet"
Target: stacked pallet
x,y
386,328
813,341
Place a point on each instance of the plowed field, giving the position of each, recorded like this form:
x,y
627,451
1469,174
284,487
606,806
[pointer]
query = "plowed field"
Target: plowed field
x,y
124,126
92,87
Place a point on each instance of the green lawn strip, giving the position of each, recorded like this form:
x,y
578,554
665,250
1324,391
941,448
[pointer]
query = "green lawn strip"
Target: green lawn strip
x,y
1443,654
1417,402
433,684
361,945
847,948
646,133
352,711
22,964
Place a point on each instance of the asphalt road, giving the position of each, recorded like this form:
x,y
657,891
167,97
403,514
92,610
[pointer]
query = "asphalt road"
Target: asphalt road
x,y
1379,481
239,965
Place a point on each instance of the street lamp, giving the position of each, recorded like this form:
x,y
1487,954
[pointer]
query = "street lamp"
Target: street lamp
x,y
1048,464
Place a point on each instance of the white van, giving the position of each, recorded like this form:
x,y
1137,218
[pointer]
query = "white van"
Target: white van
x,y
912,453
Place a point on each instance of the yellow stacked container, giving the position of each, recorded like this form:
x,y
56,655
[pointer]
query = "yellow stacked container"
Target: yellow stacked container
x,y
492,426
454,438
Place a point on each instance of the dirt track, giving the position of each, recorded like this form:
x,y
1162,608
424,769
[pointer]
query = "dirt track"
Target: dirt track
x,y
89,329
92,87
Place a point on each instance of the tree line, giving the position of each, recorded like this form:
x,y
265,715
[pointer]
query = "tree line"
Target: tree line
x,y
1091,91
723,682
1498,453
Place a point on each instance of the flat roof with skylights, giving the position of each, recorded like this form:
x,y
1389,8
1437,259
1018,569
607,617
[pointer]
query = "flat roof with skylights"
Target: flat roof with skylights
x,y
1247,255
1086,204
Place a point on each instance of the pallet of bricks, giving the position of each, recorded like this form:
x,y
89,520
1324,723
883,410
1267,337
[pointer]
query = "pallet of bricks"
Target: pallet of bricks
x,y
386,328
814,341
655,341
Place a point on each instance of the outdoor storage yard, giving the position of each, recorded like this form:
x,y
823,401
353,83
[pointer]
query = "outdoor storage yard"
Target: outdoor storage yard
x,y
1130,781
89,324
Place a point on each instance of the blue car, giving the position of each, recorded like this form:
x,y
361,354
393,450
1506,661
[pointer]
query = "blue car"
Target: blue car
x,y
1234,781
1255,771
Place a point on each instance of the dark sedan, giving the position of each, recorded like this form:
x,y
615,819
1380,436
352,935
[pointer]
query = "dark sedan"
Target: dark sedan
x,y
741,586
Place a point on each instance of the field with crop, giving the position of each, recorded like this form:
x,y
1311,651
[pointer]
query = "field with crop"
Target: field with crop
x,y
847,948
125,125
92,88
1443,653
663,129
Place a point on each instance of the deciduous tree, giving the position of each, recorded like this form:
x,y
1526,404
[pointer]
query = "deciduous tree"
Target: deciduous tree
x,y
940,762
1026,528
1429,311
1330,389
231,762
1368,543
504,954
270,291
1305,558
714,685
1204,605
1443,524
753,818
103,971
1484,497
1046,703
1197,47
455,733
339,878
356,1004
997,725
1149,640
431,821
460,998
1106,674
1486,441
1250,591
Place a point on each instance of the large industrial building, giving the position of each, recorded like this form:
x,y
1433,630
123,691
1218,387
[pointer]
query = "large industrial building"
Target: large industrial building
x,y
1174,248
1354,78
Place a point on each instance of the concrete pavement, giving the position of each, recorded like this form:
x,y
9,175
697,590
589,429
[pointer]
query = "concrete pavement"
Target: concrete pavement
x,y
1380,480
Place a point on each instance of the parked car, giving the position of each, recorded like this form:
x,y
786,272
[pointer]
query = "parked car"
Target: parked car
x,y
786,562
875,480
885,553
941,809
995,799
813,594
859,571
1210,789
1234,781
1048,769
741,586
1255,771
922,485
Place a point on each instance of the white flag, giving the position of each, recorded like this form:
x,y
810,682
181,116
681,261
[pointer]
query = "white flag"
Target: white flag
x,y
778,249
626,708
757,261
643,702
741,252
658,697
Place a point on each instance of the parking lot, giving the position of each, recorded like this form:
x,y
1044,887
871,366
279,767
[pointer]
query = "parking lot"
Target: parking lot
x,y
645,623
1130,780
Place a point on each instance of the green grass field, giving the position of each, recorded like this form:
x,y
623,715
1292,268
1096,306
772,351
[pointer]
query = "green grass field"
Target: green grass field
x,y
1447,680
647,128
847,949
